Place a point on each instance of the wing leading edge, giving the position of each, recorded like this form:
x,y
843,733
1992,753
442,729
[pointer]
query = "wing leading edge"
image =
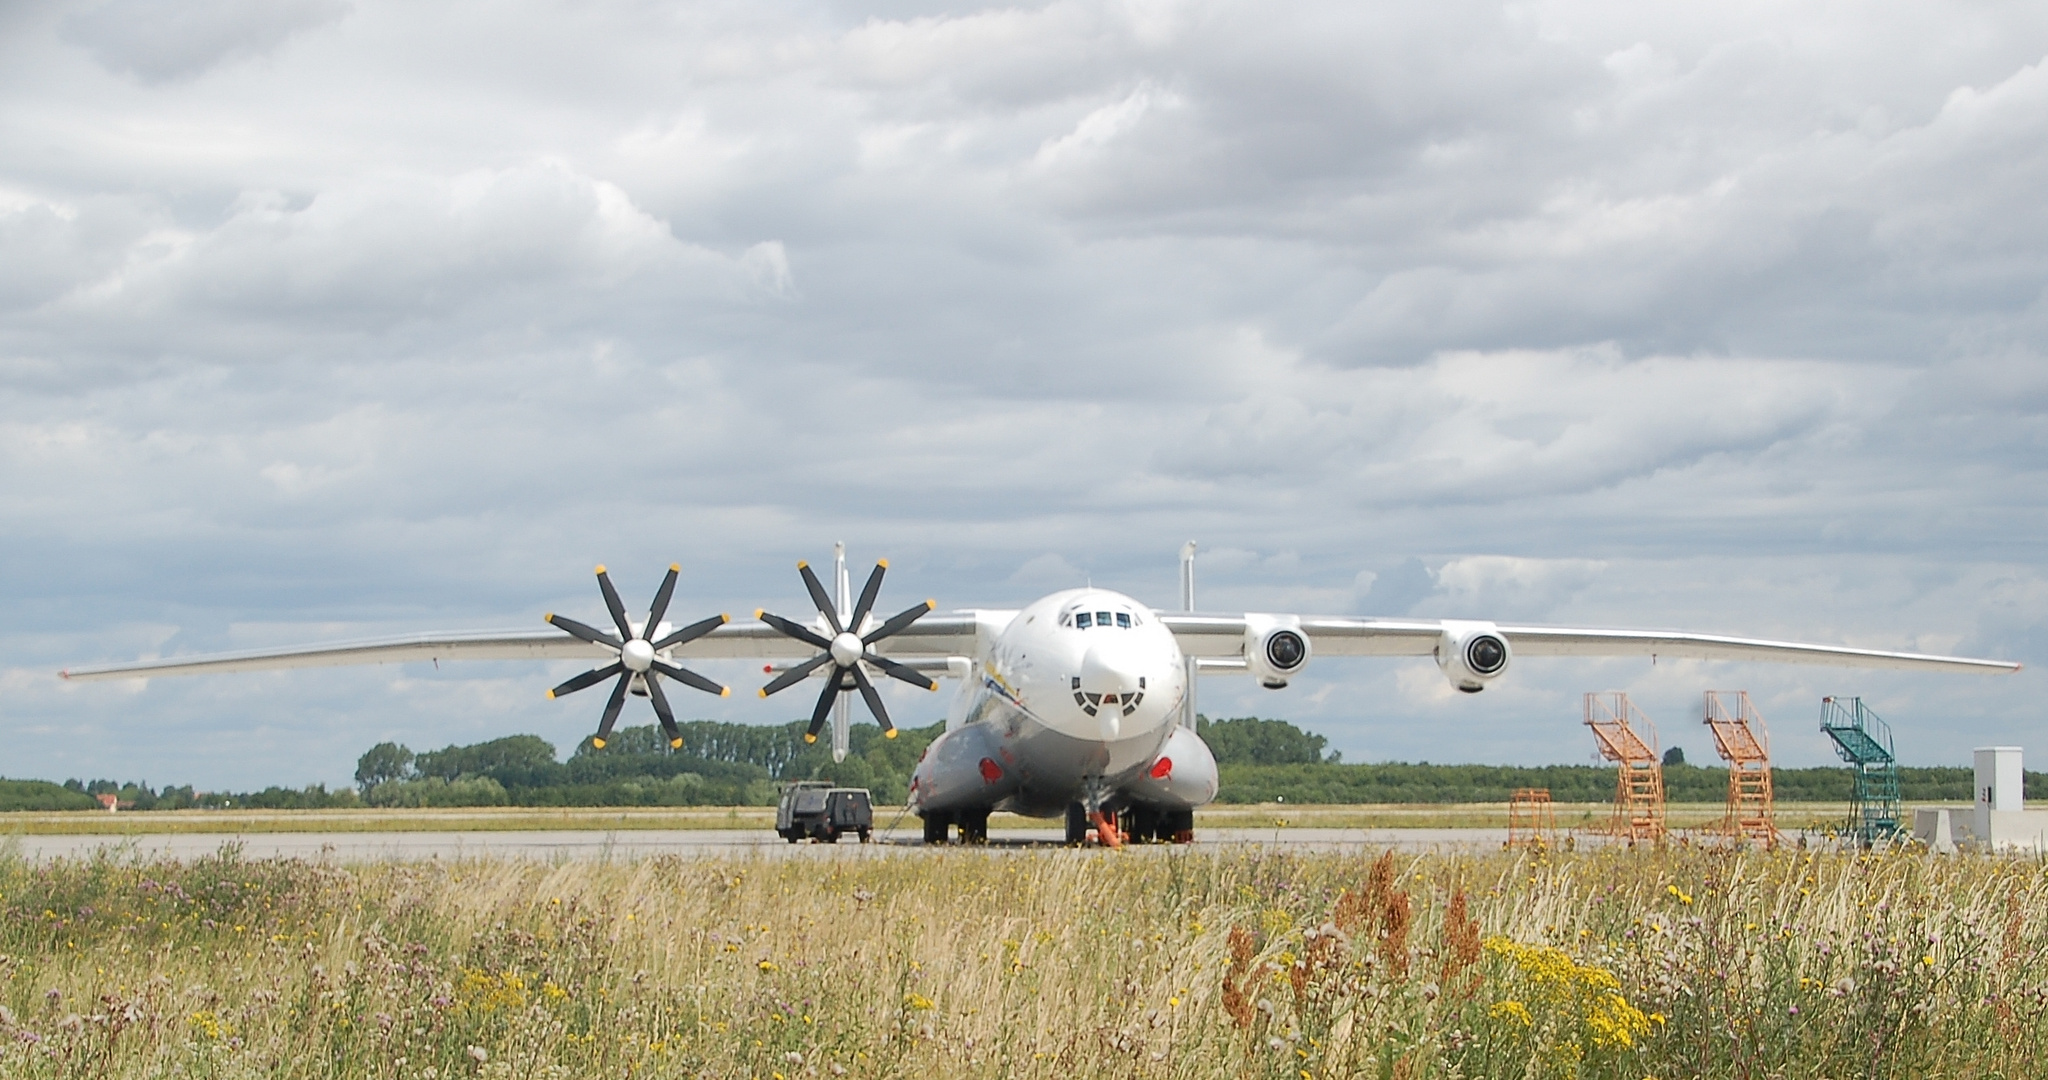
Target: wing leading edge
x,y
932,637
1224,636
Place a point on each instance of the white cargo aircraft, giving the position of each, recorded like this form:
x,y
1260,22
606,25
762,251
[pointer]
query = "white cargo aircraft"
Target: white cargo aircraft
x,y
1080,704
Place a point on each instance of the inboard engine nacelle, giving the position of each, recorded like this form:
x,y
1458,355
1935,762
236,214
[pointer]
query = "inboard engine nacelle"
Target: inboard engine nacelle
x,y
1275,649
1471,654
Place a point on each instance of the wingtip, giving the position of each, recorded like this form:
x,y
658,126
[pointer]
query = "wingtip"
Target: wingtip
x,y
65,674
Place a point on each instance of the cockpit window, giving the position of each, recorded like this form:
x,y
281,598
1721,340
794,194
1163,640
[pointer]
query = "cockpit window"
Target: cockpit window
x,y
1083,620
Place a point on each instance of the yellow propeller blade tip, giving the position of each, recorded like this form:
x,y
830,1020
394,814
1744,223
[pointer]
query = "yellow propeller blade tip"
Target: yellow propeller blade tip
x,y
725,691
676,567
889,734
808,737
600,568
675,744
597,742
883,563
930,604
764,691
551,695
934,688
801,563
549,617
724,618
760,611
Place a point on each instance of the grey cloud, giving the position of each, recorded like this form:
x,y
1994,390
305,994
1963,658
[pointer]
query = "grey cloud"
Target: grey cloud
x,y
1741,307
164,42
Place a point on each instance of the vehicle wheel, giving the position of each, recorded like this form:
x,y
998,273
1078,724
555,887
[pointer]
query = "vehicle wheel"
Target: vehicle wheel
x,y
1077,825
831,836
864,836
792,839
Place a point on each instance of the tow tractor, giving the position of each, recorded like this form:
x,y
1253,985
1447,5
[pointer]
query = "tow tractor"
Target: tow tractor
x,y
816,809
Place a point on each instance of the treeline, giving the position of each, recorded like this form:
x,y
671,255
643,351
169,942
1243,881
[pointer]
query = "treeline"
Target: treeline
x,y
722,764
719,765
134,795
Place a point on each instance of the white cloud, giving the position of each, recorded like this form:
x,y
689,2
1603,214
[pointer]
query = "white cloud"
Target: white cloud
x,y
400,315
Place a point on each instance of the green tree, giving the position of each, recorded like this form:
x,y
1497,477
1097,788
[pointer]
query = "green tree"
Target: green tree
x,y
383,763
1248,740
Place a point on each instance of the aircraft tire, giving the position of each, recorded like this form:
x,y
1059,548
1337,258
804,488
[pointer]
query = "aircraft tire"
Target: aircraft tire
x,y
1077,825
935,826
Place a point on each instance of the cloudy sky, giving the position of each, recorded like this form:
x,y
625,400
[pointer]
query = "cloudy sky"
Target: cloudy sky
x,y
332,318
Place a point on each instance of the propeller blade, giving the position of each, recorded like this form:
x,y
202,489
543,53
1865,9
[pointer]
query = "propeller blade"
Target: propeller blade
x,y
898,622
899,671
796,630
664,713
611,710
691,632
824,706
691,679
874,700
586,680
823,601
661,595
795,675
612,604
588,633
866,603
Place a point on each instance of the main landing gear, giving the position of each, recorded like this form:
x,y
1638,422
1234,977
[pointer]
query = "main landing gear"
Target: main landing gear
x,y
1132,824
973,826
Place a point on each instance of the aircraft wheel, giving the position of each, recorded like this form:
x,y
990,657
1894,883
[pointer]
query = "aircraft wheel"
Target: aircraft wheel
x,y
935,828
1077,825
974,828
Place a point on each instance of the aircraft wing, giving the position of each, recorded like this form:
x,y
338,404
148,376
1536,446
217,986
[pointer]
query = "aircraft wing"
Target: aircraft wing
x,y
932,637
1223,636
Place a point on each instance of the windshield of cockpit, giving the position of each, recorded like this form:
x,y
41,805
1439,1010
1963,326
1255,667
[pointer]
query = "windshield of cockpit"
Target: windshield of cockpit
x,y
1093,616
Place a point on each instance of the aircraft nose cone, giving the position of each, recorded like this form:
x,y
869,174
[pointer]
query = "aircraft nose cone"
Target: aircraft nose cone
x,y
1109,670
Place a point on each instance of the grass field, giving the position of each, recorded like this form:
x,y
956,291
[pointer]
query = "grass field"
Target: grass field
x,y
1266,815
1153,962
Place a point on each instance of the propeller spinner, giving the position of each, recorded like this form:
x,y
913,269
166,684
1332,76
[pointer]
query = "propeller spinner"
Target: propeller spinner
x,y
639,657
847,650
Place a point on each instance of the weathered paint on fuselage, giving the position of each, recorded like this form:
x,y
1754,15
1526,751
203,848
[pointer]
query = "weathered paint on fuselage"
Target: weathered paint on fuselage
x,y
1063,708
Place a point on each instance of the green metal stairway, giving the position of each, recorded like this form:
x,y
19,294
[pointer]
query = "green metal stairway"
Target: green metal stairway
x,y
1865,742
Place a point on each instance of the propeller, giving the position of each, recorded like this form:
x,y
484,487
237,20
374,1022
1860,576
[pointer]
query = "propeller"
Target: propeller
x,y
848,650
639,656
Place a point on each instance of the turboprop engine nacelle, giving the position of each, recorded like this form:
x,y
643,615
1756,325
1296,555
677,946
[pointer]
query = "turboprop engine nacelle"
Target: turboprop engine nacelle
x,y
1472,654
1275,649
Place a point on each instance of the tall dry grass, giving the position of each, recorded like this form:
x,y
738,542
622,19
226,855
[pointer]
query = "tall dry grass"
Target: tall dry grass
x,y
1058,964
